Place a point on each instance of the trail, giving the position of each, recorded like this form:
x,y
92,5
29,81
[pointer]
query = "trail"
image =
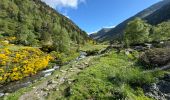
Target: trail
x,y
42,90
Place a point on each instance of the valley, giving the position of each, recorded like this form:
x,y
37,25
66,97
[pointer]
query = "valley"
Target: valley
x,y
44,55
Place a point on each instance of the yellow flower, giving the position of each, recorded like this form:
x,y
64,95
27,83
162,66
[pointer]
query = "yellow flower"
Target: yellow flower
x,y
15,69
1,70
1,78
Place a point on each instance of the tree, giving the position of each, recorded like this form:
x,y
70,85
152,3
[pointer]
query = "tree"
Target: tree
x,y
161,32
136,32
62,41
46,40
25,36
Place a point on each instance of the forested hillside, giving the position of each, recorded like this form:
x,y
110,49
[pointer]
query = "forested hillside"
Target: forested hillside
x,y
34,23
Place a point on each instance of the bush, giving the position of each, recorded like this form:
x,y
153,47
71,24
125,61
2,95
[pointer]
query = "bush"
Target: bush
x,y
156,57
17,64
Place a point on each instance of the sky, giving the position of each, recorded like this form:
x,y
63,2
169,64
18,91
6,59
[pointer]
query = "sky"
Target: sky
x,y
92,15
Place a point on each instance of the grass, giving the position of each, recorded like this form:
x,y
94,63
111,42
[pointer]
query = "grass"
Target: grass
x,y
90,47
110,77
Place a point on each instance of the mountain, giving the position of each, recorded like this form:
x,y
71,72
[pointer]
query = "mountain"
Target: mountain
x,y
155,14
34,23
100,33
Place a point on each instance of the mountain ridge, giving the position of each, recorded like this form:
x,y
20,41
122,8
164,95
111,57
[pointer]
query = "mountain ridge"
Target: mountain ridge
x,y
117,32
99,33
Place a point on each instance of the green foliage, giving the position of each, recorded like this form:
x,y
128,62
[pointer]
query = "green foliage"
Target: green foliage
x,y
62,58
110,78
36,24
136,32
161,32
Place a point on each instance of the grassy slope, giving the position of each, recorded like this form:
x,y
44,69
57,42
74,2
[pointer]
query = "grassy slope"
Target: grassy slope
x,y
110,77
90,47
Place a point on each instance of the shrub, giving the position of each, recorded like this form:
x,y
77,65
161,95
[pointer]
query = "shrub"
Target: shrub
x,y
15,65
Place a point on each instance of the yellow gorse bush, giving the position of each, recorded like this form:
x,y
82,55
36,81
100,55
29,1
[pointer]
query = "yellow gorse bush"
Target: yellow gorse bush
x,y
17,64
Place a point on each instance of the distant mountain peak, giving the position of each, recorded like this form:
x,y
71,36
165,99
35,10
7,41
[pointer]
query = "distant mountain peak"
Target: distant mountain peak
x,y
155,14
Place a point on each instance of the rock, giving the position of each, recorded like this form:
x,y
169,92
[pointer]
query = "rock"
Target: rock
x,y
56,67
57,76
51,82
156,57
166,77
62,79
45,89
149,46
128,51
6,94
82,56
83,53
164,86
159,90
86,63
161,42
139,48
2,94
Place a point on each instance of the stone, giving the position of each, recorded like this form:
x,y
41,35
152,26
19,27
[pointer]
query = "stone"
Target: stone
x,y
149,46
139,48
51,82
166,77
128,51
164,86
56,67
159,90
6,94
45,89
57,76
62,79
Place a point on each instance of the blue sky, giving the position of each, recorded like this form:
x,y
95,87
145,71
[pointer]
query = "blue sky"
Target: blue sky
x,y
92,15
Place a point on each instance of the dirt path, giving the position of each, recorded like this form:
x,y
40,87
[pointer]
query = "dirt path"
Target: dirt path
x,y
41,91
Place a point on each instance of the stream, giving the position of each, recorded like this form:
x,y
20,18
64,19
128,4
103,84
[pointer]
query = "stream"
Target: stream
x,y
14,86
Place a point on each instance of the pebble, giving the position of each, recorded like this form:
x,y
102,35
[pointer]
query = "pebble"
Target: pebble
x,y
56,67
6,94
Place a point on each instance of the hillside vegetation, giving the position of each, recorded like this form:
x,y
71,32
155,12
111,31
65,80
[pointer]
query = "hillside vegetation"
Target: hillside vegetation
x,y
18,62
139,31
36,24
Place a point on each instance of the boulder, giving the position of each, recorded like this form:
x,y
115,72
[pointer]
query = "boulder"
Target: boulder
x,y
159,90
157,57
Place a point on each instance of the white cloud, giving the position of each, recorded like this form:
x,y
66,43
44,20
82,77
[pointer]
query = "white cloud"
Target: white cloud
x,y
109,26
63,3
